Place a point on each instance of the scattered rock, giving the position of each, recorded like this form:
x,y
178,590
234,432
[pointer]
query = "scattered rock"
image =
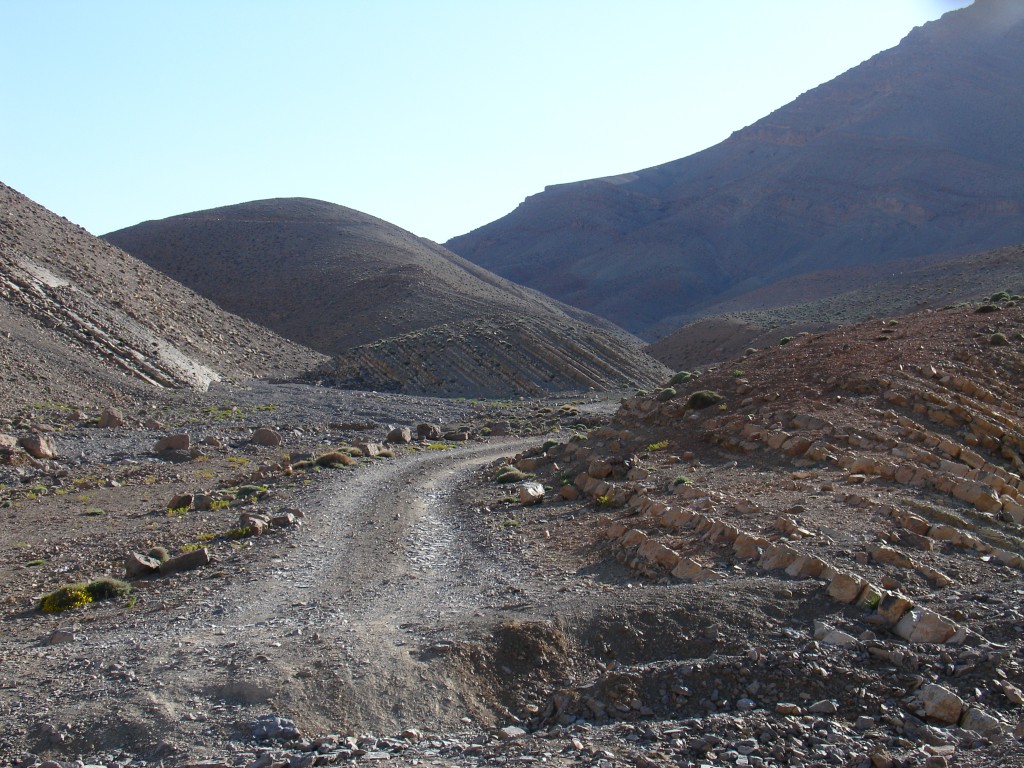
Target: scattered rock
x,y
39,446
178,442
530,493
267,437
137,565
940,704
274,728
186,562
111,417
400,435
428,432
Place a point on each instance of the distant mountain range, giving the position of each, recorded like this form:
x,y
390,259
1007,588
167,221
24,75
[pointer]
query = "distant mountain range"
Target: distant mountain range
x,y
918,152
400,312
84,324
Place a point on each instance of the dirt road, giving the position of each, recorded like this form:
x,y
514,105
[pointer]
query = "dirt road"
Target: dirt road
x,y
342,625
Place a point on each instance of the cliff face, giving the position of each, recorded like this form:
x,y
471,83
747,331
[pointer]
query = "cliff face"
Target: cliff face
x,y
916,152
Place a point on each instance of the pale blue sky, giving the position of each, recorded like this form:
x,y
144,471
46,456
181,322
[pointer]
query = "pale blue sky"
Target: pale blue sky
x,y
436,115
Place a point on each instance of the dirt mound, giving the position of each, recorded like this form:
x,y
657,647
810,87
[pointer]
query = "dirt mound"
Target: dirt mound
x,y
84,322
335,279
910,154
497,358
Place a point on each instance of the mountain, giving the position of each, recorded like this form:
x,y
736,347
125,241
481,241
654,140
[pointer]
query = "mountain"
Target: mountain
x,y
378,298
917,152
83,322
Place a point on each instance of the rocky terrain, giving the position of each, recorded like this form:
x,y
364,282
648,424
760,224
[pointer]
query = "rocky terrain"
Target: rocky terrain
x,y
83,322
769,563
914,153
383,300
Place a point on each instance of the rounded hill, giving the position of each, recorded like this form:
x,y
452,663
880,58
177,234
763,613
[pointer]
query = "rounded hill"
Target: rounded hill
x,y
333,279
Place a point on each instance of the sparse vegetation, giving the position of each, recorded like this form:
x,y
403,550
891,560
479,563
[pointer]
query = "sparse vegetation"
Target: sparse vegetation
x,y
683,480
667,394
658,446
509,474
335,459
107,588
76,595
999,340
703,398
680,378
160,554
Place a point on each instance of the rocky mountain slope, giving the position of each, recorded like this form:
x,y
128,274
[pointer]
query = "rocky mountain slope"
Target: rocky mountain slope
x,y
83,321
385,301
764,317
916,152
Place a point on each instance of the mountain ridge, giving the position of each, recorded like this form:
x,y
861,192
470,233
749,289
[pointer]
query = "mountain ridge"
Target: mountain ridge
x,y
912,153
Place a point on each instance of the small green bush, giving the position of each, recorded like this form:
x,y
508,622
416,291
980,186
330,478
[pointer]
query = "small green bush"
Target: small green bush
x,y
240,532
548,444
985,309
250,490
680,378
160,554
658,446
785,340
107,588
999,340
667,394
683,480
999,296
65,598
703,398
76,595
508,474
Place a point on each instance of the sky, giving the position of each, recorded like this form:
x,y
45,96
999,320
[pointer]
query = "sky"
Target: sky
x,y
436,115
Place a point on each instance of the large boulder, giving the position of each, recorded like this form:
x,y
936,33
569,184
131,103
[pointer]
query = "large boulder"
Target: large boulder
x,y
179,442
137,565
921,625
531,493
39,446
267,437
111,417
186,562
400,435
428,432
940,704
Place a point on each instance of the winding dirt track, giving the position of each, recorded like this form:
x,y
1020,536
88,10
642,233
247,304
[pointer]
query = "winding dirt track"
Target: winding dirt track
x,y
344,625
334,631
